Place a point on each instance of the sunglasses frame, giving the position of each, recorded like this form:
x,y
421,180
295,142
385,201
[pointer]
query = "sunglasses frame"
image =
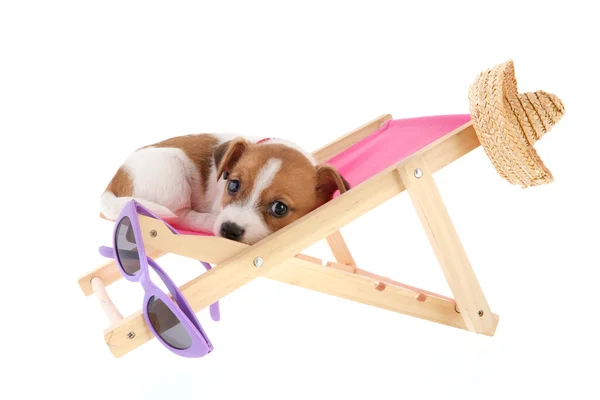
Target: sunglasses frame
x,y
178,305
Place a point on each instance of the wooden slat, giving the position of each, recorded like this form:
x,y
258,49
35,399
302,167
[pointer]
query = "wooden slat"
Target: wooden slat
x,y
388,281
312,259
447,246
340,249
332,149
112,313
362,290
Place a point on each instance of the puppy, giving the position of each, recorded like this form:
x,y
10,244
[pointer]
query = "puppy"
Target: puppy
x,y
239,188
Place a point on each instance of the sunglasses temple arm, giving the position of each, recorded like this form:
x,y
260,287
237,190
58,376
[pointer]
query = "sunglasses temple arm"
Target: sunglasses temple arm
x,y
214,308
107,252
215,311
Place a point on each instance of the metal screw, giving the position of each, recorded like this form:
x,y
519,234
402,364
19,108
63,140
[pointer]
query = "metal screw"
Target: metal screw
x,y
258,262
480,313
131,335
418,173
153,233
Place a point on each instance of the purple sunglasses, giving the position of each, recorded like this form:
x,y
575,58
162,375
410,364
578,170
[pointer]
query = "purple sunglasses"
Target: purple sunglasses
x,y
177,328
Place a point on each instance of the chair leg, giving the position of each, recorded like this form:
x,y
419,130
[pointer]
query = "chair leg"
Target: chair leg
x,y
340,249
428,203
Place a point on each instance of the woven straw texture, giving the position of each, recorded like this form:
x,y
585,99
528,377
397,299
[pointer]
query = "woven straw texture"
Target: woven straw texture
x,y
509,123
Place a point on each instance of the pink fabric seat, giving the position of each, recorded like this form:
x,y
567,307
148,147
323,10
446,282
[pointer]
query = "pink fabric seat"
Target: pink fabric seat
x,y
392,143
389,145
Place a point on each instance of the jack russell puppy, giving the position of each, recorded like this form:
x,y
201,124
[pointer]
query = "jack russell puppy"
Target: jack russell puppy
x,y
239,188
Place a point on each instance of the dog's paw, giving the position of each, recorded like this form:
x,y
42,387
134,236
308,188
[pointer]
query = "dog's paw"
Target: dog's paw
x,y
198,222
211,221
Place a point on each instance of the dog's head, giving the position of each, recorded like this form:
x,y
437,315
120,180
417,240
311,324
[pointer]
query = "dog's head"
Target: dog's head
x,y
268,186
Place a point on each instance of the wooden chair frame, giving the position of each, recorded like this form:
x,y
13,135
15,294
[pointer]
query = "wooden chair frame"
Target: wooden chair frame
x,y
278,256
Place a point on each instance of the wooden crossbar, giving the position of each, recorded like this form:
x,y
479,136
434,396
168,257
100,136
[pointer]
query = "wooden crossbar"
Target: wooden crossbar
x,y
281,259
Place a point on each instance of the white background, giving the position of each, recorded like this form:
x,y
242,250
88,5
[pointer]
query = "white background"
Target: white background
x,y
82,84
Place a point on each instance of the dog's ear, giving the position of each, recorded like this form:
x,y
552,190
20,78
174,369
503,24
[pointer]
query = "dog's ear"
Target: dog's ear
x,y
227,154
329,181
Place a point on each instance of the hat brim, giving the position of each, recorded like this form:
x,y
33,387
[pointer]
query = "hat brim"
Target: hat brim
x,y
508,124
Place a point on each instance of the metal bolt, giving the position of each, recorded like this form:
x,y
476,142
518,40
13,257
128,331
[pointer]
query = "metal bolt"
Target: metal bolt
x,y
258,262
480,313
153,233
418,173
131,335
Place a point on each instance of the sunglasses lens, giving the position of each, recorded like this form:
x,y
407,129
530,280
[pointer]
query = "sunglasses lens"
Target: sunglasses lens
x,y
167,325
127,247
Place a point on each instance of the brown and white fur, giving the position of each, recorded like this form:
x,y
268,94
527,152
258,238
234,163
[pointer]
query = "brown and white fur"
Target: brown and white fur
x,y
185,180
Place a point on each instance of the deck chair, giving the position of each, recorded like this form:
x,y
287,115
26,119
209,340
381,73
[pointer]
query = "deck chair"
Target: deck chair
x,y
380,160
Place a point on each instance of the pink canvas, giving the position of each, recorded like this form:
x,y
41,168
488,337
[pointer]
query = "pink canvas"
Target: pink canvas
x,y
392,143
389,145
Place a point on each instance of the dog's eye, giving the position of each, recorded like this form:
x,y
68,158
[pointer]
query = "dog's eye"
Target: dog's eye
x,y
278,209
225,174
233,186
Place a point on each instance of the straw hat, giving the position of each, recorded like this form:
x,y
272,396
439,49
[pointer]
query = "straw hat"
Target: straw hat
x,y
509,123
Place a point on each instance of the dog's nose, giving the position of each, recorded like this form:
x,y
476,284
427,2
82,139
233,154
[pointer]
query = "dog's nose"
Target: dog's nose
x,y
231,230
